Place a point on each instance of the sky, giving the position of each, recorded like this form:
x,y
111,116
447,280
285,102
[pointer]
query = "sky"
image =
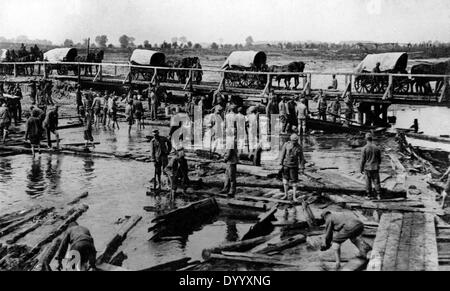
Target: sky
x,y
228,21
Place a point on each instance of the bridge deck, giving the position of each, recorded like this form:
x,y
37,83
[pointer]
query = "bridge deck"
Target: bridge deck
x,y
250,93
405,242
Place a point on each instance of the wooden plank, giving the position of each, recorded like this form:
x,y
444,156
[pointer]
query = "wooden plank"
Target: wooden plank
x,y
402,259
37,214
242,245
235,203
264,222
392,242
112,246
416,251
431,251
379,245
250,258
24,232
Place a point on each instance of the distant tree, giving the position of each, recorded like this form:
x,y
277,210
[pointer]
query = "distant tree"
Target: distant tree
x,y
126,41
110,46
214,46
174,39
189,44
175,45
236,46
147,44
280,45
85,42
197,46
101,40
68,43
289,46
249,41
140,46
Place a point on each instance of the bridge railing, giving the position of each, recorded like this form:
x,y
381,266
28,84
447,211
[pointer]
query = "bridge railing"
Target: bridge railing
x,y
385,84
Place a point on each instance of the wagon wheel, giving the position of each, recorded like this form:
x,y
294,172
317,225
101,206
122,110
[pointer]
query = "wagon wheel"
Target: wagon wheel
x,y
62,70
366,86
147,75
402,87
229,82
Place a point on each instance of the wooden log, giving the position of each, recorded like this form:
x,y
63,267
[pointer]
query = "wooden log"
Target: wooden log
x,y
243,245
68,126
24,232
9,218
307,188
112,246
187,209
118,259
309,214
262,225
47,256
250,258
235,203
77,144
15,225
75,214
78,198
169,266
284,244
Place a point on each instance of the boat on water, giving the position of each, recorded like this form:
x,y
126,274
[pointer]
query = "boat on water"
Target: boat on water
x,y
337,127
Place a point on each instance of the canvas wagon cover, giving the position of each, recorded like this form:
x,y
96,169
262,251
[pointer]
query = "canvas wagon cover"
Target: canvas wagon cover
x,y
395,62
3,55
245,59
148,57
58,55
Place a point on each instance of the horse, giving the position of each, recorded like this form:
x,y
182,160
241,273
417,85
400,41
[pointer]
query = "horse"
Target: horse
x,y
92,57
189,62
422,84
294,67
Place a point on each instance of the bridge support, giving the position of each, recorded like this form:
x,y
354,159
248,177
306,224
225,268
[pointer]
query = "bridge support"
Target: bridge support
x,y
373,114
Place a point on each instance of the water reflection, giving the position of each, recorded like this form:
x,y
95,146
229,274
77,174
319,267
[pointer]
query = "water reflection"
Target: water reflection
x,y
36,184
5,170
53,173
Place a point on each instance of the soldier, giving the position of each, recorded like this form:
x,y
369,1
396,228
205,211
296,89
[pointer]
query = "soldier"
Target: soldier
x,y
335,109
283,111
5,120
370,166
302,115
51,126
339,228
292,160
177,171
80,240
34,131
231,158
33,93
160,148
322,106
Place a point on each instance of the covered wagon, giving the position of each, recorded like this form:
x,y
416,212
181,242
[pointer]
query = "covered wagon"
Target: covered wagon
x,y
141,57
61,55
246,61
389,63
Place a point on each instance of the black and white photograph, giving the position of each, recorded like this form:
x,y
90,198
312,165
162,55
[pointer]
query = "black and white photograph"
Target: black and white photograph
x,y
224,135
